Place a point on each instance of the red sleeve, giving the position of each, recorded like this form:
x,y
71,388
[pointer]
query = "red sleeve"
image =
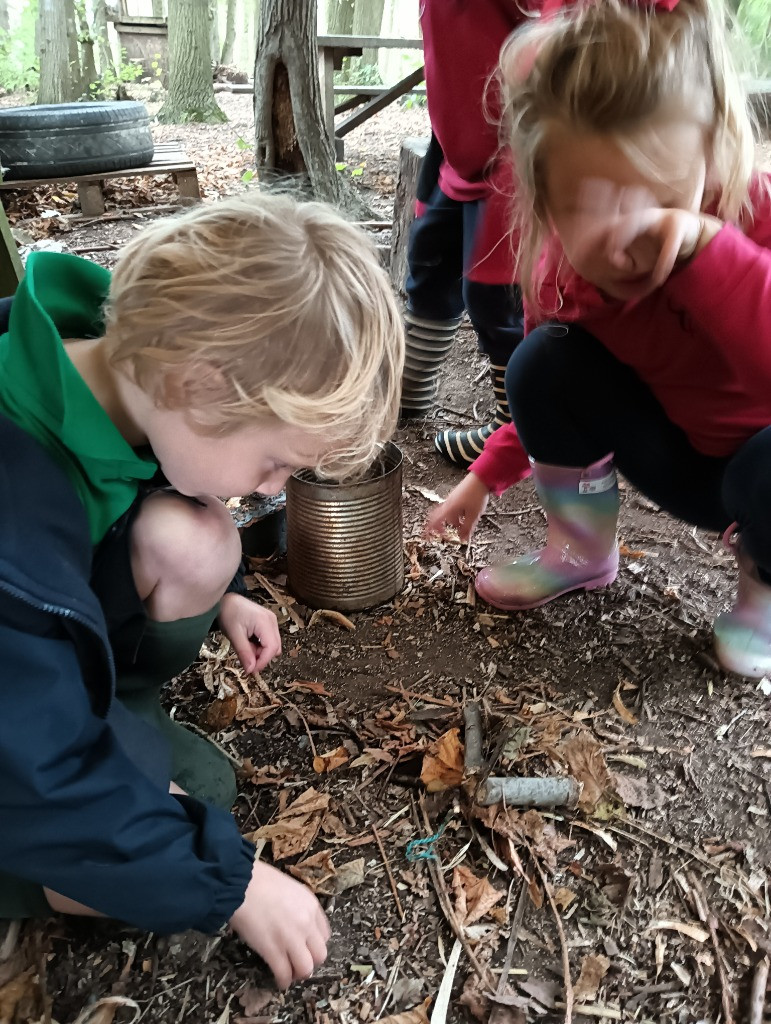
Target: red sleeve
x,y
726,291
503,461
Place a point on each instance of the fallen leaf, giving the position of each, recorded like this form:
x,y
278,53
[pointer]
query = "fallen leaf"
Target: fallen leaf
x,y
593,970
627,552
443,764
103,1011
643,793
349,875
254,1000
544,992
297,826
21,989
474,896
333,616
311,686
428,494
584,759
220,713
317,872
693,931
418,1015
623,711
323,763
563,897
256,715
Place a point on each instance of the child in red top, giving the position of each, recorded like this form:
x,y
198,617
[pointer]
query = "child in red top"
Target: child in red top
x,y
460,254
646,260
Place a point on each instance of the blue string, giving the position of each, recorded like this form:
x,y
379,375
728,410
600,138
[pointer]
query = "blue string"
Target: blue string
x,y
423,849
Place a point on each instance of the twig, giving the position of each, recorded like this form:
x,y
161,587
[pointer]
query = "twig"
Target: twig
x,y
442,1004
437,877
758,996
516,924
472,715
282,600
563,940
391,880
707,917
307,728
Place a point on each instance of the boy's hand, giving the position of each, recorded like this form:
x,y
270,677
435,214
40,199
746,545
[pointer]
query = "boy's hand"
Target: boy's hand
x,y
251,629
462,509
282,921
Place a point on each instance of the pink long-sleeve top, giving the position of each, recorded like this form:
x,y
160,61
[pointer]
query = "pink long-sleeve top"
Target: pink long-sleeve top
x,y
701,342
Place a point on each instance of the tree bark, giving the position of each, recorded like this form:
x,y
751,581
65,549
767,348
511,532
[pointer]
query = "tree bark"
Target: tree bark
x,y
367,19
103,49
340,17
54,53
290,137
214,31
157,8
411,157
191,90
5,21
73,50
88,63
230,34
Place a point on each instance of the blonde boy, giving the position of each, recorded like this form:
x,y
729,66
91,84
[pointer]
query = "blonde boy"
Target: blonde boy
x,y
230,346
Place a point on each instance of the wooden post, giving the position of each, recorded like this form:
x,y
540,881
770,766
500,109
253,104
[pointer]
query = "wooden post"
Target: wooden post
x,y
412,153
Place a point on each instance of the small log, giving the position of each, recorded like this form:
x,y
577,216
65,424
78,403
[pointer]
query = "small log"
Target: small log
x,y
412,153
472,715
758,996
529,792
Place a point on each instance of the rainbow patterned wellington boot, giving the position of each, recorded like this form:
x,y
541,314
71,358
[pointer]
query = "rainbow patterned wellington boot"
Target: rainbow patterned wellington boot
x,y
581,551
743,634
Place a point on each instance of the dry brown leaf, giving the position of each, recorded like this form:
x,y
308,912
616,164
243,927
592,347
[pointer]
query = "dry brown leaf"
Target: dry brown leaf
x,y
627,552
474,896
645,794
349,875
693,931
443,764
254,1000
296,828
104,1010
317,872
323,763
563,897
623,711
418,1015
256,716
520,827
220,713
593,970
333,616
586,762
310,686
21,989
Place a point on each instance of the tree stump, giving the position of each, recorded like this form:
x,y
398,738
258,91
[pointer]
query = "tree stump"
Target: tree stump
x,y
412,153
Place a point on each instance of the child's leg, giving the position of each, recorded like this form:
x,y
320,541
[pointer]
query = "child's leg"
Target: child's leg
x,y
575,405
495,310
160,583
434,299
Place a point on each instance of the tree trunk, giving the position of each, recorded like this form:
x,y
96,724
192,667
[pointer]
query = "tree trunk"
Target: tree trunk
x,y
230,34
191,90
86,37
340,17
54,53
367,19
214,31
290,135
5,21
411,157
103,49
157,8
73,50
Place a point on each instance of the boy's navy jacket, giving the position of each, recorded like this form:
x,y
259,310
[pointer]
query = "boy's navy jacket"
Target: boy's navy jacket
x,y
76,814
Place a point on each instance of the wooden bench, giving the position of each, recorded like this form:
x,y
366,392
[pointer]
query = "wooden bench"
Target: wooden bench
x,y
168,158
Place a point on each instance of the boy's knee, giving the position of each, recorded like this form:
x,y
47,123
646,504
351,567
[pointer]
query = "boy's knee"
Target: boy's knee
x,y
191,548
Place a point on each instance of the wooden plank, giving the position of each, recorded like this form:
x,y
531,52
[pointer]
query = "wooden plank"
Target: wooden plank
x,y
11,270
130,172
370,90
370,42
379,102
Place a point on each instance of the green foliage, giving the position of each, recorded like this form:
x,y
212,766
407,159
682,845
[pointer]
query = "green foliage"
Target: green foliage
x,y
355,172
110,83
754,18
19,68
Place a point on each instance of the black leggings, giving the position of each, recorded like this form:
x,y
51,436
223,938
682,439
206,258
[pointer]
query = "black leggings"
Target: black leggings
x,y
573,403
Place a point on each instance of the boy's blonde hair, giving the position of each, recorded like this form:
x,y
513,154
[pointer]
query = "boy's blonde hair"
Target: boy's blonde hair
x,y
610,67
272,309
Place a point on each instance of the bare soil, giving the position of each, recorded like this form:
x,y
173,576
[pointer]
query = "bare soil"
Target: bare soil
x,y
656,891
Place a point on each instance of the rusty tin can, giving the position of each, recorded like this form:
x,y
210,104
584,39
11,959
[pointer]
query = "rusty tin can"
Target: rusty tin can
x,y
344,541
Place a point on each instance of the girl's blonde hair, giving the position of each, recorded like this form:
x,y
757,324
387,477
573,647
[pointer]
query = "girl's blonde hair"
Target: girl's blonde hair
x,y
272,309
610,67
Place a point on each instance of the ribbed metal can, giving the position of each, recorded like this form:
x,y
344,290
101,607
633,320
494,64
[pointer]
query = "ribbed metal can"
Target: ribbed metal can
x,y
344,541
